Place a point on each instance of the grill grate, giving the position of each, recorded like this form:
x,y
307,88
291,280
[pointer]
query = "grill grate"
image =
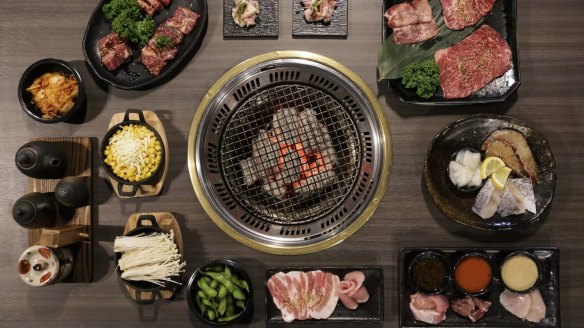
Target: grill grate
x,y
288,196
273,184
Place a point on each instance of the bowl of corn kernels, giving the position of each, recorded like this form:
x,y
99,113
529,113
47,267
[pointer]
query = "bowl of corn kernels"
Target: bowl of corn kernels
x,y
132,153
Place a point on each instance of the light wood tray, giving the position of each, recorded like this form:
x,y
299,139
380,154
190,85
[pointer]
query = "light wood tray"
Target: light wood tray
x,y
156,188
166,222
78,154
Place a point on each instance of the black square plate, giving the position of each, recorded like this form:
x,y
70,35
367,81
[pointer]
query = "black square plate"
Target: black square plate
x,y
266,23
370,311
497,316
336,28
503,18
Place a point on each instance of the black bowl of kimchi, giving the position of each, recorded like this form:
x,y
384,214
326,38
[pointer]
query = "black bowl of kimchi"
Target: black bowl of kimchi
x,y
35,71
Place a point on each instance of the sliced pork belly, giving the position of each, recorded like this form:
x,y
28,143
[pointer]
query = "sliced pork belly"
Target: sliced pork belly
x,y
403,14
459,14
475,61
351,291
183,20
304,295
416,33
114,51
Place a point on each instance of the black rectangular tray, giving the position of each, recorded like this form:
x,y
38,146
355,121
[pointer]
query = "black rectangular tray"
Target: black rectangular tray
x,y
369,312
497,315
267,24
503,18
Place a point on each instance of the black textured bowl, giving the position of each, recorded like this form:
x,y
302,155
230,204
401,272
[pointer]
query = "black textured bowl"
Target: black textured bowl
x,y
447,272
36,70
192,290
538,264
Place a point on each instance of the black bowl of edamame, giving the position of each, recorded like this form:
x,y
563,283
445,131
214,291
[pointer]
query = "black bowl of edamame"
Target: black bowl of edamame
x,y
220,293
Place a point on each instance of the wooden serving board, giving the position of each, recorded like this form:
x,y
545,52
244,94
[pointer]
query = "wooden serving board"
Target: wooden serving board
x,y
78,152
166,222
156,188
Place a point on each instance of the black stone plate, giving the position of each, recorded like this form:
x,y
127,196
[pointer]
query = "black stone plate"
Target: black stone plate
x,y
471,132
369,312
503,18
497,316
266,23
336,28
133,75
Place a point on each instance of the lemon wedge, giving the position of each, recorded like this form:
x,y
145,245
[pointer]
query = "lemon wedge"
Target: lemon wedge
x,y
491,165
500,177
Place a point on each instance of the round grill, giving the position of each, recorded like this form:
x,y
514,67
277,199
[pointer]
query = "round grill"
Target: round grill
x,y
289,152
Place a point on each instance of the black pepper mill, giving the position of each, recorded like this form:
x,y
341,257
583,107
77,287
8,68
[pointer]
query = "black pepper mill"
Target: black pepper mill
x,y
72,192
41,160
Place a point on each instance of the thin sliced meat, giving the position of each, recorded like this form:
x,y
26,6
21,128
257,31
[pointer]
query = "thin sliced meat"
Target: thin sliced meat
x,y
459,14
415,33
403,14
473,62
537,310
518,304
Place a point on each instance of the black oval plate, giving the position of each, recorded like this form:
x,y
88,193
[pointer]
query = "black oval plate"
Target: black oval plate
x,y
471,132
133,75
503,18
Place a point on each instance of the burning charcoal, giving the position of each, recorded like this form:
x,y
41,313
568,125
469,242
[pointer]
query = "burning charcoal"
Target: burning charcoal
x,y
250,173
275,188
329,157
285,125
311,133
316,182
265,153
291,168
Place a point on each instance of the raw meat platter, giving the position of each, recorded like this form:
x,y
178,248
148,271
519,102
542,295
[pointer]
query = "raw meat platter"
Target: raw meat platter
x,y
370,311
503,20
134,75
497,315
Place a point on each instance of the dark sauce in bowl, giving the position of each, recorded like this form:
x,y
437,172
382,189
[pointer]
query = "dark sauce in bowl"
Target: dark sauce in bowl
x,y
429,273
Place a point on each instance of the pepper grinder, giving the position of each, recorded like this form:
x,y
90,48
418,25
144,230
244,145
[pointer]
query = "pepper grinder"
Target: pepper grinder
x,y
72,192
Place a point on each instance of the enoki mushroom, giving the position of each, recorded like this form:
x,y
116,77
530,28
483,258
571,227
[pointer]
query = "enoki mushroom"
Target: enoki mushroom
x,y
153,258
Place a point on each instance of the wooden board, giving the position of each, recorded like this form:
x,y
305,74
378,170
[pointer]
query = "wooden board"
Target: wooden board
x,y
78,152
156,188
166,222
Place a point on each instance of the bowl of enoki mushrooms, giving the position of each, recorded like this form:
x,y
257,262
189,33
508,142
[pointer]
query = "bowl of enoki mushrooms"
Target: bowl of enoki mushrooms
x,y
148,259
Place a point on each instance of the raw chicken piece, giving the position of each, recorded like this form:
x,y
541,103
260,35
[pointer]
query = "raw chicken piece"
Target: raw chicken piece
x,y
537,310
245,12
518,304
487,201
429,309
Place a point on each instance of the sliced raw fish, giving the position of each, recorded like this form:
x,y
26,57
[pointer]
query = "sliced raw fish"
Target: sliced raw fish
x,y
512,201
487,201
526,188
518,304
537,310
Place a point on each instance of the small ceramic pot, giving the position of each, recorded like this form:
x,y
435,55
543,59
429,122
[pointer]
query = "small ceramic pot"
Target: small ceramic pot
x,y
35,210
72,192
41,160
41,265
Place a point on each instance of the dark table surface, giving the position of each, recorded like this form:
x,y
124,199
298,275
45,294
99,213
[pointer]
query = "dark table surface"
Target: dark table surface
x,y
551,43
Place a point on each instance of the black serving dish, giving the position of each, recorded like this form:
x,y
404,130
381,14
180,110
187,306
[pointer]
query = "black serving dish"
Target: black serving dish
x,y
34,71
105,141
497,316
267,25
192,290
471,132
337,28
503,18
368,312
133,75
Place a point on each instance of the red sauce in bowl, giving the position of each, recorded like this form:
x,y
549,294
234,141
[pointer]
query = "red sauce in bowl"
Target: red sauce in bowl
x,y
473,274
